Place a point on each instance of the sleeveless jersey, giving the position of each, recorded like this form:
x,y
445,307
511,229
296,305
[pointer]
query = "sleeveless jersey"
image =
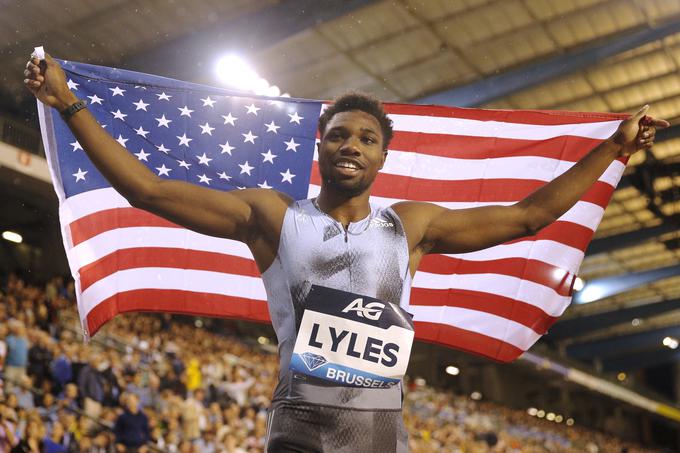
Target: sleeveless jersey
x,y
369,258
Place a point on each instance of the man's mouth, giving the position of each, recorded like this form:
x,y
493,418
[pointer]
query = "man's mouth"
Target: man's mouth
x,y
347,166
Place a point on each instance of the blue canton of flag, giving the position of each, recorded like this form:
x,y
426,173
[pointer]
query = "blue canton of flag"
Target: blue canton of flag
x,y
216,138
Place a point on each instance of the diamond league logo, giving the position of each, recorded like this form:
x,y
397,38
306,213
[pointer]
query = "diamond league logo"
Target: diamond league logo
x,y
313,361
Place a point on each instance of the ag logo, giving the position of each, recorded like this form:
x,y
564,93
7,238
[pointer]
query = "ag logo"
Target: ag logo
x,y
371,311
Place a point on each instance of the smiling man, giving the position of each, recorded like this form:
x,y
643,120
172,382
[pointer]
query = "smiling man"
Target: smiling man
x,y
337,270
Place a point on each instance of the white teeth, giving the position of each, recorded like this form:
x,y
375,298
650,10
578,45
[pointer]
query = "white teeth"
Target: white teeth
x,y
347,165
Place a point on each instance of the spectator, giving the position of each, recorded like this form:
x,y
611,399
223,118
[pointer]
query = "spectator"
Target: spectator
x,y
39,358
24,394
61,369
17,354
91,388
32,442
8,425
3,345
132,427
55,442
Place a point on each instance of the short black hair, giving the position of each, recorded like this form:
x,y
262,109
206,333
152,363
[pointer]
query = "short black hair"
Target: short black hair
x,y
363,102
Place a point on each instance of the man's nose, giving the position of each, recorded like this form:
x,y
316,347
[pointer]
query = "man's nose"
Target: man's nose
x,y
350,147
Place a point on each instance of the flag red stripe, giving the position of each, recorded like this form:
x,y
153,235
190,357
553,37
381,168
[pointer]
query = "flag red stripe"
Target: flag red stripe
x,y
165,257
526,269
470,190
466,340
564,147
98,222
537,117
176,301
521,312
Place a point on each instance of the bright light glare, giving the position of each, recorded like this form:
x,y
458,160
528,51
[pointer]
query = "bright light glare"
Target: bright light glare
x,y
12,236
234,71
452,370
550,416
670,342
540,414
558,419
532,411
476,396
263,340
570,421
579,284
592,293
621,376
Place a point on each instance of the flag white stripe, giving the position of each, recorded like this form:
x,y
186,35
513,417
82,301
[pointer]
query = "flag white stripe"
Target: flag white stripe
x,y
477,128
487,324
526,291
103,244
173,279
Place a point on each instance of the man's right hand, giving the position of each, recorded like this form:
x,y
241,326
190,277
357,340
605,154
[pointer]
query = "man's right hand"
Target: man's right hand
x,y
47,81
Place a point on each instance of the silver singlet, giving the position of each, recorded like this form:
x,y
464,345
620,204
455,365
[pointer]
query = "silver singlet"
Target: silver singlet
x,y
370,258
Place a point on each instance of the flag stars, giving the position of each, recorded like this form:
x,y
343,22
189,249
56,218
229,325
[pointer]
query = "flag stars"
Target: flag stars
x,y
140,105
184,140
249,137
163,96
207,102
206,129
80,175
295,118
72,85
162,149
184,164
264,185
141,131
117,91
185,111
224,175
287,177
76,146
228,119
291,145
245,168
204,179
94,99
272,127
119,115
163,121
252,109
122,140
268,156
226,148
163,170
141,155
204,160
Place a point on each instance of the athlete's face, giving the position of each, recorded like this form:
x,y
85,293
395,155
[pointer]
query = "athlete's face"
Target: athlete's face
x,y
351,152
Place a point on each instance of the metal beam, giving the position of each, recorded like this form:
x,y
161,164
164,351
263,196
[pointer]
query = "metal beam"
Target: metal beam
x,y
508,82
632,362
187,58
574,327
608,286
623,345
632,238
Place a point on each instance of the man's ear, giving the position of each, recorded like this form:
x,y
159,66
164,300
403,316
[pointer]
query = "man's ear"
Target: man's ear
x,y
384,157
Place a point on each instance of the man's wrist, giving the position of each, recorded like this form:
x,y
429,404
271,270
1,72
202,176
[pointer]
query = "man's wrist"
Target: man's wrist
x,y
66,102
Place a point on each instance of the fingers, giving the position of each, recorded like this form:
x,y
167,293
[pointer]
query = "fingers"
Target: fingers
x,y
640,113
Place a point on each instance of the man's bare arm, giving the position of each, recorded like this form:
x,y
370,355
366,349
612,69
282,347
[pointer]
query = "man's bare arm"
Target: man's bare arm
x,y
433,229
242,215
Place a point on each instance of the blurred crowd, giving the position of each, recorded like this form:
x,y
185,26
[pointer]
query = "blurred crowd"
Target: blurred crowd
x,y
151,383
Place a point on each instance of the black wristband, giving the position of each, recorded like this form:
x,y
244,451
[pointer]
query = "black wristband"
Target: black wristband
x,y
72,109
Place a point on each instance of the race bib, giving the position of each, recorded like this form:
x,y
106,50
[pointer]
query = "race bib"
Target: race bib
x,y
352,340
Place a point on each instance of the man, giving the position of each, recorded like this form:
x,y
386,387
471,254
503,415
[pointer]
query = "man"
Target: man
x,y
132,427
16,361
315,253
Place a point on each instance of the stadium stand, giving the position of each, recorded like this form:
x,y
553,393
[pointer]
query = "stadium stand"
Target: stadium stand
x,y
150,383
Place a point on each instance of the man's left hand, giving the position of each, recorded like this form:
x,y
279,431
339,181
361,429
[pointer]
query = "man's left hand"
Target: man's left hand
x,y
637,132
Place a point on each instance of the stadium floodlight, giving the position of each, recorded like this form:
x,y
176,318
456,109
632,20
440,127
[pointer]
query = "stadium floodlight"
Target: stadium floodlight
x,y
550,416
11,236
636,322
532,411
234,71
621,376
579,283
570,421
476,396
558,418
263,340
670,342
540,413
452,370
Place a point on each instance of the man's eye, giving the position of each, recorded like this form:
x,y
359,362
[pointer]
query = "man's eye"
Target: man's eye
x,y
369,140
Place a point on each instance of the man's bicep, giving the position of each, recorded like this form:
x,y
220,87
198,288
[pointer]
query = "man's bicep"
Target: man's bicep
x,y
468,230
233,215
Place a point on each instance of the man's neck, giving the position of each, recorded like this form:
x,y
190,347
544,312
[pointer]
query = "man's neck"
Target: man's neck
x,y
342,208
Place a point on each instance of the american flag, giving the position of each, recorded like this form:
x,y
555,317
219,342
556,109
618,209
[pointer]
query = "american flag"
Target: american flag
x,y
495,302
